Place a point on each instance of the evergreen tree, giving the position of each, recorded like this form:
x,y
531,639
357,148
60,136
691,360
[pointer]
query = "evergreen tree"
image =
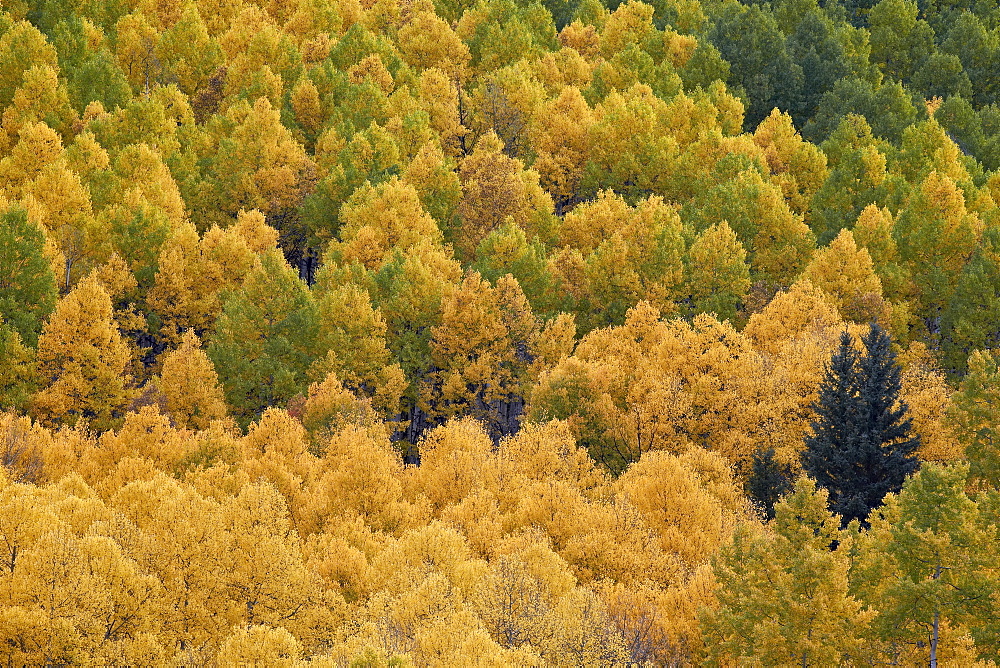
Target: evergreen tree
x,y
769,480
861,447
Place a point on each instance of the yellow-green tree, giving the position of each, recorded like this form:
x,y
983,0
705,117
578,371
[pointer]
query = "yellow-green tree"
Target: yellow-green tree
x,y
717,273
783,590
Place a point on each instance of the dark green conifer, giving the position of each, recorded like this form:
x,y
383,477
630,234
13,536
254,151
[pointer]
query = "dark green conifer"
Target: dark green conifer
x,y
769,481
861,447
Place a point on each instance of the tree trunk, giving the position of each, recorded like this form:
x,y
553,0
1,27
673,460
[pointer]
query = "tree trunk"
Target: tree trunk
x,y
936,626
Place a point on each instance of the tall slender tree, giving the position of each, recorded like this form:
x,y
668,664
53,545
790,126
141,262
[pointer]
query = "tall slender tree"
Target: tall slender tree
x,y
861,447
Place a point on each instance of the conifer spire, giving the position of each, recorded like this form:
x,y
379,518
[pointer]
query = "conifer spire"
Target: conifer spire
x,y
861,447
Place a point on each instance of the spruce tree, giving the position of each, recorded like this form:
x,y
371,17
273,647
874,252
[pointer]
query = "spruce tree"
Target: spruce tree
x,y
861,447
769,480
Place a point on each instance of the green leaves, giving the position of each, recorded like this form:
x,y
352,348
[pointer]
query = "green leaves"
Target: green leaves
x,y
783,589
928,567
263,342
27,284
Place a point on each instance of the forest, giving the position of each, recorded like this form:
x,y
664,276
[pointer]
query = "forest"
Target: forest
x,y
499,332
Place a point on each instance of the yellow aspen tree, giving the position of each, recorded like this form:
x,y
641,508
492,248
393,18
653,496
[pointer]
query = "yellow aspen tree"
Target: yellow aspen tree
x,y
797,166
144,176
587,225
188,52
252,228
81,362
381,220
23,46
184,535
434,178
190,385
459,459
584,39
494,188
558,135
372,69
795,334
255,57
641,260
62,202
135,51
353,334
692,517
260,564
873,231
803,308
936,235
41,98
192,272
276,451
504,102
306,106
929,400
259,166
311,24
146,434
726,384
97,589
927,147
783,592
847,275
718,276
629,151
585,633
973,418
481,350
518,595
439,97
37,146
563,68
260,645
628,254
362,477
427,41
598,391
330,407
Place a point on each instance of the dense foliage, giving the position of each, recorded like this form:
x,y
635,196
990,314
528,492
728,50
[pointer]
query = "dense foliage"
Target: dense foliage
x,y
455,332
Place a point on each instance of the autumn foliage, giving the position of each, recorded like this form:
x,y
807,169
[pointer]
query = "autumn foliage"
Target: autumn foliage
x,y
385,332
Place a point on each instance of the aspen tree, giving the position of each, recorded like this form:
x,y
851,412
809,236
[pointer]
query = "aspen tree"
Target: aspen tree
x,y
481,350
783,592
974,416
496,187
718,276
847,275
81,362
191,385
264,338
27,285
925,568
